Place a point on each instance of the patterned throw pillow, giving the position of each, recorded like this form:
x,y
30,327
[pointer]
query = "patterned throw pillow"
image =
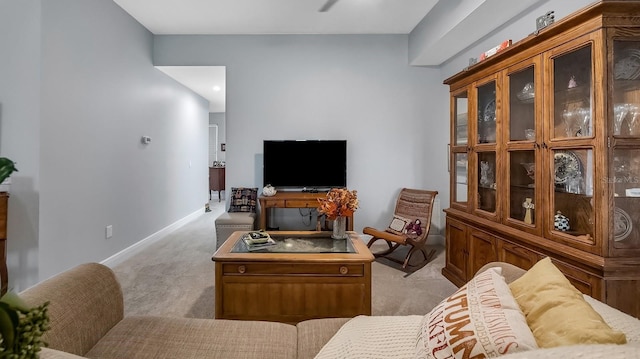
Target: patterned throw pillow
x,y
480,320
243,199
398,224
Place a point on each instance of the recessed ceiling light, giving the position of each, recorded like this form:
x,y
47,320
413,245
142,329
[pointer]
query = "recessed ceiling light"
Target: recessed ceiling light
x,y
216,88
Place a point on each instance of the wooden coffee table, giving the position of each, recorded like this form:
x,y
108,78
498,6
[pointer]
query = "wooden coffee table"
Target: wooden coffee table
x,y
306,275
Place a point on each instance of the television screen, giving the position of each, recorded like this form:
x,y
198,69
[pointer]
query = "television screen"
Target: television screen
x,y
314,164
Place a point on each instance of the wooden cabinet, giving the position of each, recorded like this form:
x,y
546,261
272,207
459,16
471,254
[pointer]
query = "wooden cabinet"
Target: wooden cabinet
x,y
545,155
468,249
457,252
517,255
292,286
216,180
482,250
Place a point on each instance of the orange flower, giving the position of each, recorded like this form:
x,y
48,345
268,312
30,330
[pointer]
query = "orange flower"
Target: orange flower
x,y
339,202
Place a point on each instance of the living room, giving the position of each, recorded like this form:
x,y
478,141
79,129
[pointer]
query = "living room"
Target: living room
x,y
81,90
82,75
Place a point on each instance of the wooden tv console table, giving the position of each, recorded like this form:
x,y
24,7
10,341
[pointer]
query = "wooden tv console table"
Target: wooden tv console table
x,y
292,200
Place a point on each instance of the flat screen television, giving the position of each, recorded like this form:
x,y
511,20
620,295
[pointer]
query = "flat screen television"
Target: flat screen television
x,y
305,164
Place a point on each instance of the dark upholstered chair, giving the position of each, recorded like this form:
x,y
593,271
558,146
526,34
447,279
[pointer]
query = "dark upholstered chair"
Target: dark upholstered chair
x,y
411,205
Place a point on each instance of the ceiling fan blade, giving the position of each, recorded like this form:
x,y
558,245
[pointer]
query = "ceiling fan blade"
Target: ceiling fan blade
x,y
327,5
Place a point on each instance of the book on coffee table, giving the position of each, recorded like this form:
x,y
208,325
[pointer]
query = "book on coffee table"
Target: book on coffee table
x,y
257,240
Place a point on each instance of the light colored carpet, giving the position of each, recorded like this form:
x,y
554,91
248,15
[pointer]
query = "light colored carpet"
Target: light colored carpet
x,y
175,277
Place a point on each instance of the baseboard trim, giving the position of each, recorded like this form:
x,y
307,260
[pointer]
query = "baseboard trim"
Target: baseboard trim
x,y
436,239
144,243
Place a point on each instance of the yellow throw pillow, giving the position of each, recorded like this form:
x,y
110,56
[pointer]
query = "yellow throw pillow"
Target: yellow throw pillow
x,y
556,312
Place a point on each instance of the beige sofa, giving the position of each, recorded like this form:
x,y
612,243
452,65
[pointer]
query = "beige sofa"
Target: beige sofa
x,y
87,320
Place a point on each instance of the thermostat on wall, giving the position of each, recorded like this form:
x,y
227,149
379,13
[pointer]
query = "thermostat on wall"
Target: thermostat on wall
x,y
146,139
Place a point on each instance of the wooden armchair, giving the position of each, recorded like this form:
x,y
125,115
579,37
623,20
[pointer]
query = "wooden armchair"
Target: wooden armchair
x,y
411,205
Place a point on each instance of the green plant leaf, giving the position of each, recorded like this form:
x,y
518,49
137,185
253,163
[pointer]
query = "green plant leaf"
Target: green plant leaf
x,y
14,300
8,325
7,167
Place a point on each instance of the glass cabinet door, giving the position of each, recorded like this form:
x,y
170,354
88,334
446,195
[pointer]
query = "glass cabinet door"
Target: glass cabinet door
x,y
459,164
522,161
461,106
573,194
486,170
486,100
626,89
522,186
572,87
521,105
460,175
624,171
626,192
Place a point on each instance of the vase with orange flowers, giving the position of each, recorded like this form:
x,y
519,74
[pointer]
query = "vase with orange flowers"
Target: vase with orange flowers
x,y
339,204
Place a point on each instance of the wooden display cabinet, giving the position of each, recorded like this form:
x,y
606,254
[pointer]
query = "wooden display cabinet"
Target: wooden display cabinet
x,y
545,155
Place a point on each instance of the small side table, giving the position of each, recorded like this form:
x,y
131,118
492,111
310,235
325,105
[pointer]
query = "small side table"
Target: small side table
x,y
216,181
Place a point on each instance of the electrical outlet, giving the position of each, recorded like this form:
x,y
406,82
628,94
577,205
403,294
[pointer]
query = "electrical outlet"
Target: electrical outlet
x,y
108,231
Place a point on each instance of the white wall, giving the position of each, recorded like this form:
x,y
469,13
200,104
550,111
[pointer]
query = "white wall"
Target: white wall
x,y
20,32
358,88
98,94
218,118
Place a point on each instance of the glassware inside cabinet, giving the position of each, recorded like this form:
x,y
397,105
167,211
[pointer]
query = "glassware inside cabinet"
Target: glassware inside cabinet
x,y
486,170
461,176
572,94
461,119
487,113
522,186
625,177
521,105
626,88
573,192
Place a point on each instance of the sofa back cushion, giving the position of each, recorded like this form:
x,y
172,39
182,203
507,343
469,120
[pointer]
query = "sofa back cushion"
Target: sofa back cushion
x,y
480,320
85,302
556,311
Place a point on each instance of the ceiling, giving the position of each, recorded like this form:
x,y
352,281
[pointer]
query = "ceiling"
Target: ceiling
x,y
277,16
202,80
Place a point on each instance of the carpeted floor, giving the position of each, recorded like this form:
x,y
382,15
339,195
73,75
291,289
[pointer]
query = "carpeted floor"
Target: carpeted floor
x,y
175,277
